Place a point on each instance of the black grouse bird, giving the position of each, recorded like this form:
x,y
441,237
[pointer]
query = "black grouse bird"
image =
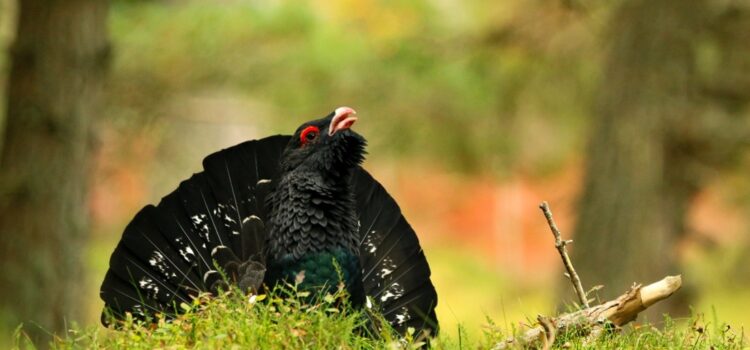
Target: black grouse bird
x,y
273,210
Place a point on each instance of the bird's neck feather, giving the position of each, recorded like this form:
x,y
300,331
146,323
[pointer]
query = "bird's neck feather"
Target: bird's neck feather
x,y
311,213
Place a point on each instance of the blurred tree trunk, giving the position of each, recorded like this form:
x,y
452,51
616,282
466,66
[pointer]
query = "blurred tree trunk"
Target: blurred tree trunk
x,y
729,86
638,185
59,58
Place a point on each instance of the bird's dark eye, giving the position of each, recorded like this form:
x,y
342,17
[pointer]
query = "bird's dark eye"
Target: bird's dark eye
x,y
308,134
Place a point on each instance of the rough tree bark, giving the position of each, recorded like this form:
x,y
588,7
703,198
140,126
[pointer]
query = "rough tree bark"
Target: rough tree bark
x,y
637,187
59,58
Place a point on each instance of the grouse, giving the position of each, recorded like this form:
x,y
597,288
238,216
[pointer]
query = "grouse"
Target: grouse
x,y
282,209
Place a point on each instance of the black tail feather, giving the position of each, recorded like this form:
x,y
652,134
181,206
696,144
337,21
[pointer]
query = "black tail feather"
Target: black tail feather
x,y
147,280
120,298
176,226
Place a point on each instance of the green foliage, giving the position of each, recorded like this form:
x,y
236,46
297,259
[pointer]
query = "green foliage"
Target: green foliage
x,y
432,84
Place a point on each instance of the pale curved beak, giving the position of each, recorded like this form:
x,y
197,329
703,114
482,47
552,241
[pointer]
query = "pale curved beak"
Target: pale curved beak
x,y
343,118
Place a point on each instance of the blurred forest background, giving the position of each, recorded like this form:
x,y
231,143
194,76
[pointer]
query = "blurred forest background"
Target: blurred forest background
x,y
630,117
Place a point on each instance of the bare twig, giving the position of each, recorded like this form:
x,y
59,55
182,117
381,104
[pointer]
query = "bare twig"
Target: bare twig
x,y
560,245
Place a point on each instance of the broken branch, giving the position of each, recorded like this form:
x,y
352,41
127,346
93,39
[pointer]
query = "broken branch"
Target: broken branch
x,y
619,312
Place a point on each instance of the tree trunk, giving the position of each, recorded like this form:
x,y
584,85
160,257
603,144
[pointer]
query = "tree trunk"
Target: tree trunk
x,y
59,58
637,186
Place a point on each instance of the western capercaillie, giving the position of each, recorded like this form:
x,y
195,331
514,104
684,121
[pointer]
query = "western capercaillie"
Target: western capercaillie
x,y
274,210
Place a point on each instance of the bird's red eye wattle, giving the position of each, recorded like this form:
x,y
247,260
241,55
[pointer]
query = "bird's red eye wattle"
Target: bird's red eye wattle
x,y
308,134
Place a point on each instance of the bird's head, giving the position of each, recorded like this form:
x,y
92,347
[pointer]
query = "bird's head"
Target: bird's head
x,y
325,145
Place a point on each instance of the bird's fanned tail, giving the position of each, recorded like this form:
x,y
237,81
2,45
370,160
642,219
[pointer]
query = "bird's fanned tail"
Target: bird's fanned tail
x,y
170,252
395,271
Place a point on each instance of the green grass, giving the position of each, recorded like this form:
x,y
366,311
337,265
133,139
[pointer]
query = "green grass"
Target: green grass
x,y
288,319
694,333
282,319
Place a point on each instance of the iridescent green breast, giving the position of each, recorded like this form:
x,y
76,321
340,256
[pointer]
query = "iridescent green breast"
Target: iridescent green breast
x,y
320,272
